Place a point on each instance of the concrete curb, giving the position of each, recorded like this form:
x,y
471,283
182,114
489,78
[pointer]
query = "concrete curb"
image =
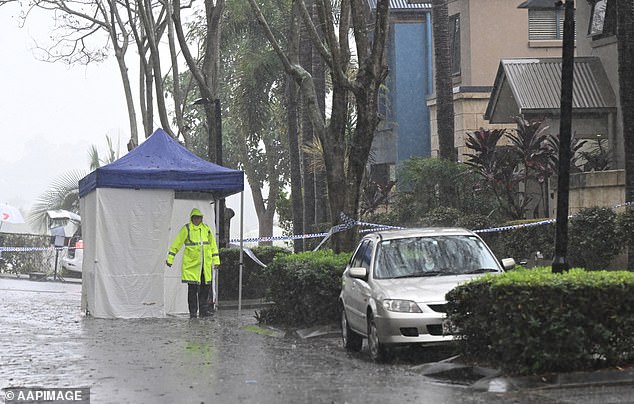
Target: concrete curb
x,y
245,304
556,380
492,380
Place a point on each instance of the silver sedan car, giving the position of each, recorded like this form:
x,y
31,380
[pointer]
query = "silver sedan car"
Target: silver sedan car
x,y
393,289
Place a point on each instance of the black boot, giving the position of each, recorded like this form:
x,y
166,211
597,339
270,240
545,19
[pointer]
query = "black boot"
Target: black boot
x,y
192,300
203,300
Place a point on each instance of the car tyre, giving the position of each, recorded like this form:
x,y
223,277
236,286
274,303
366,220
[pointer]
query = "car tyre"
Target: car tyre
x,y
351,340
378,351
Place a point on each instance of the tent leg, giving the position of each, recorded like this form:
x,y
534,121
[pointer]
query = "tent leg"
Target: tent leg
x,y
214,281
241,252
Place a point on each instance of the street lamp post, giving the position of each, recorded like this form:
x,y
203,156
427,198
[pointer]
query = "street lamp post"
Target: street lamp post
x,y
560,263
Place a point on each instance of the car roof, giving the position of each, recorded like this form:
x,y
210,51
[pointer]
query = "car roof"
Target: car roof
x,y
420,232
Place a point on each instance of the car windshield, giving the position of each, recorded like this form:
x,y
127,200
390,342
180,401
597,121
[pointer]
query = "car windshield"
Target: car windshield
x,y
433,256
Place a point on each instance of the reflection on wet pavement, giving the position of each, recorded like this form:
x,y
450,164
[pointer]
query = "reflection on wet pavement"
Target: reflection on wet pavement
x,y
47,342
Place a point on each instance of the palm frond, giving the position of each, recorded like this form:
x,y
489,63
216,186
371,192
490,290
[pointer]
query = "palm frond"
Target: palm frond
x,y
63,193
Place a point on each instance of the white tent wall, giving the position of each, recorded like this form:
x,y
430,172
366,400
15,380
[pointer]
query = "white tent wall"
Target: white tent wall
x,y
130,216
89,232
176,291
126,239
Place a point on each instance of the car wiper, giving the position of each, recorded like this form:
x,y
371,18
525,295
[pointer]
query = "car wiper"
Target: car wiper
x,y
414,275
421,274
481,271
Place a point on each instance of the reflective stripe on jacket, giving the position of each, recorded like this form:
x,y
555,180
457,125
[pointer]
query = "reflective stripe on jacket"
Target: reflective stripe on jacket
x,y
200,249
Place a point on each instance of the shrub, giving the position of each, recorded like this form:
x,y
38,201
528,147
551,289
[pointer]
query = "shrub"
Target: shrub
x,y
625,225
451,217
426,184
253,282
521,243
23,262
304,288
533,321
594,240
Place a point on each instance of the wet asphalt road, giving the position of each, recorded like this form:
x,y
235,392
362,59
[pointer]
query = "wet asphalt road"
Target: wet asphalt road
x,y
46,341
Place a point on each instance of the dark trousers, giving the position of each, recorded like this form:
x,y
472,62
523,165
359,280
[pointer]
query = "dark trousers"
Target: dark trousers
x,y
198,296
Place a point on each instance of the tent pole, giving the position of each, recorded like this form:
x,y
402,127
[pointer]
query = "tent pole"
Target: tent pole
x,y
215,287
241,252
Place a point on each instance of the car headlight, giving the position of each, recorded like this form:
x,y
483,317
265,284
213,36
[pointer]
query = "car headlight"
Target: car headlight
x,y
403,306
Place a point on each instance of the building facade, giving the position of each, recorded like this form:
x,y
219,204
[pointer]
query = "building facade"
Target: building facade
x,y
481,33
404,131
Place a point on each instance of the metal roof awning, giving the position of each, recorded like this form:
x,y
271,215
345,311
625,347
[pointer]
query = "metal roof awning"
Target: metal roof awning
x,y
533,86
539,4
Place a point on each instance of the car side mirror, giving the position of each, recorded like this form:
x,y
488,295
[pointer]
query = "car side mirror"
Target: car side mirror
x,y
508,263
358,272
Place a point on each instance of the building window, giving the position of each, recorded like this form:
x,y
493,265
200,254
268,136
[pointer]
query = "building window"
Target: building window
x,y
602,19
454,43
545,24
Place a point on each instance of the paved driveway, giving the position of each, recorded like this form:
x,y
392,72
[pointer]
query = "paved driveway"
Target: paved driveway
x,y
47,342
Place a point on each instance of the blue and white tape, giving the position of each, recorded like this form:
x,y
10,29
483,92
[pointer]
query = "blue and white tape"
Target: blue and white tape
x,y
22,249
347,223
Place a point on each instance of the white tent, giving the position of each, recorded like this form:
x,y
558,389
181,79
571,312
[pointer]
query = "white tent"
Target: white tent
x,y
131,211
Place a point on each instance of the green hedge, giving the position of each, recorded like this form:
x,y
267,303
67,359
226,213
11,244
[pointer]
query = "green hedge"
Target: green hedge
x,y
254,283
533,321
523,242
595,238
23,262
304,288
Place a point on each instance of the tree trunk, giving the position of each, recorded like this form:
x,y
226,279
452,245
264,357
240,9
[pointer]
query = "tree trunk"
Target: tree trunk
x,y
153,38
319,77
308,174
296,175
625,37
177,93
297,205
207,79
344,153
444,86
120,52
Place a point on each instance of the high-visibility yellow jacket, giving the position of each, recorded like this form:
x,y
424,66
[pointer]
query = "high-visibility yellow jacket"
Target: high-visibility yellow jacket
x,y
200,251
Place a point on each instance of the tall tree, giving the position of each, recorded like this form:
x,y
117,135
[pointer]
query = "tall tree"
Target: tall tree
x,y
308,177
206,76
444,86
293,130
345,154
625,39
205,72
79,38
255,90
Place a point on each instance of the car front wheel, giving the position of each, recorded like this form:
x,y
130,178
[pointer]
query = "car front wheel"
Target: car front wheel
x,y
378,351
351,340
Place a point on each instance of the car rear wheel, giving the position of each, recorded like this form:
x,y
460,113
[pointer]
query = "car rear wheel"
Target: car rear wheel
x,y
378,351
351,340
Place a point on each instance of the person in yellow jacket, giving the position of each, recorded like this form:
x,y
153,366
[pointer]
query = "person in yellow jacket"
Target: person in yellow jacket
x,y
201,251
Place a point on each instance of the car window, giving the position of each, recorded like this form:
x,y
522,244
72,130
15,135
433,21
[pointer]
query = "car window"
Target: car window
x,y
363,255
427,256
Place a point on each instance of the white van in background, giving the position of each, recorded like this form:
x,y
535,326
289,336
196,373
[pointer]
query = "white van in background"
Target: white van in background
x,y
72,261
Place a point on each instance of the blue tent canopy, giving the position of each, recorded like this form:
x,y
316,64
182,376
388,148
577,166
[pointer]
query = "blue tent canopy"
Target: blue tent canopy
x,y
162,163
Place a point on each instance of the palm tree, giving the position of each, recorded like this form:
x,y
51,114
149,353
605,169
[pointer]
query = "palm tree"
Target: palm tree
x,y
444,87
256,99
96,161
63,193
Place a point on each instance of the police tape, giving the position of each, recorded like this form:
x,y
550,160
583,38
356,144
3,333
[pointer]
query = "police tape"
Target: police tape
x,y
347,223
22,249
515,226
